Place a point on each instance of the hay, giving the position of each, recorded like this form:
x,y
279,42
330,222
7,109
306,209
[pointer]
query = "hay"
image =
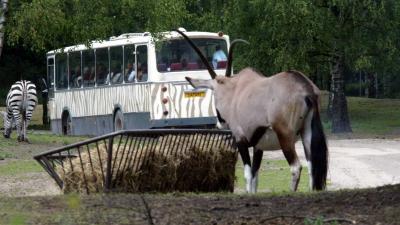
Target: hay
x,y
184,163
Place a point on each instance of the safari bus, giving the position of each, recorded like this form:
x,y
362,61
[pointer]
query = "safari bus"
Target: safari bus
x,y
131,81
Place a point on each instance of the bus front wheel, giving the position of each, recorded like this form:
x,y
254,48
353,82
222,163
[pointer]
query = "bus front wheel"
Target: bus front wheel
x,y
118,120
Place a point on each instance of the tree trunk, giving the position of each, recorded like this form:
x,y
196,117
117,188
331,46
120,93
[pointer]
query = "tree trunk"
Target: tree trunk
x,y
371,83
376,85
4,8
339,113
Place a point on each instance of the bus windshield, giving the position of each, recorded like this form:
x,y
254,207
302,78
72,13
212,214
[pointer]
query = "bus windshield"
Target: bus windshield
x,y
177,55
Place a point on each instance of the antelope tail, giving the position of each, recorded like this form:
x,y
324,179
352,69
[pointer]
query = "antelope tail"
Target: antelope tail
x,y
319,149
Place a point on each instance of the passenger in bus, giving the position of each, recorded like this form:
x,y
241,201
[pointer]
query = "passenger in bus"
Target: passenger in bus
x,y
184,63
219,55
101,74
88,76
86,73
130,73
140,72
76,77
116,75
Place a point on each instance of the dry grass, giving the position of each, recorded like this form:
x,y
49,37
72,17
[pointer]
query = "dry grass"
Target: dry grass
x,y
170,165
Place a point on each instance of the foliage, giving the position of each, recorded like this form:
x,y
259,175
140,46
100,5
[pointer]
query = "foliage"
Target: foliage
x,y
296,34
306,35
48,24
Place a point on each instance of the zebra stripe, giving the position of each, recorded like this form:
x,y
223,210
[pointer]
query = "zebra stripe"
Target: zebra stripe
x,y
138,97
20,104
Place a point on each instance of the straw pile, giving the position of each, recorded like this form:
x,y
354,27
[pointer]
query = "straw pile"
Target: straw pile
x,y
185,164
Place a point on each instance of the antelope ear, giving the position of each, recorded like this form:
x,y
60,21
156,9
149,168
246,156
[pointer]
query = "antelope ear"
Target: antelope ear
x,y
197,83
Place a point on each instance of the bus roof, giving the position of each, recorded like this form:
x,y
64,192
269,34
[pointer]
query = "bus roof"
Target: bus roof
x,y
134,38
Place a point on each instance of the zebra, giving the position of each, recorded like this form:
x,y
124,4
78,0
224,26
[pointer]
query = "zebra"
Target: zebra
x,y
20,104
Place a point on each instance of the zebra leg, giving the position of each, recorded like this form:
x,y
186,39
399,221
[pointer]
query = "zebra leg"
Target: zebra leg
x,y
257,157
244,153
18,123
8,120
25,129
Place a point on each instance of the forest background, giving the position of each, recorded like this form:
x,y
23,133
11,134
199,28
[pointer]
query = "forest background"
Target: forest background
x,y
349,48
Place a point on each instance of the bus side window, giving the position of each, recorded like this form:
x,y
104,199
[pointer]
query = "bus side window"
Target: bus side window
x,y
88,68
50,76
102,70
75,76
61,71
116,75
141,52
129,63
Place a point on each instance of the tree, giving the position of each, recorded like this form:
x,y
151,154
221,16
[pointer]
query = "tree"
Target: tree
x,y
3,12
318,35
48,24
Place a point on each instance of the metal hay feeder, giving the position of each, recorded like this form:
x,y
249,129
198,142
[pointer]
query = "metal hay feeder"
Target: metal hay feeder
x,y
128,144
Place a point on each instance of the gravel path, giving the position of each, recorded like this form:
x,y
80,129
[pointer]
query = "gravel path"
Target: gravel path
x,y
358,163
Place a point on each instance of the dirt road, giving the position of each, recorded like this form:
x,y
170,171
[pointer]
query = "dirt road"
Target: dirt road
x,y
358,163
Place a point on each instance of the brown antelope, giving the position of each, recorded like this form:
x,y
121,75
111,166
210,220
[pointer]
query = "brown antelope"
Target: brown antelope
x,y
269,113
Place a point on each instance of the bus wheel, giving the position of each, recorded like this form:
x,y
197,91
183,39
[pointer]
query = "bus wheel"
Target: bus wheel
x,y
66,124
118,120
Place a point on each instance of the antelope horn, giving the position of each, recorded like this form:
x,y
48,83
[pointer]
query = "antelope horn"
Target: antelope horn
x,y
228,72
202,57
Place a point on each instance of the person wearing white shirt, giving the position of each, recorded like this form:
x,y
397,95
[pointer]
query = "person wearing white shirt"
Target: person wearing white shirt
x,y
130,73
218,56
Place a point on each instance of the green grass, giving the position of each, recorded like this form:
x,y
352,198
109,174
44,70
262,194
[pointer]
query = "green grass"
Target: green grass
x,y
36,138
36,121
274,176
369,117
17,167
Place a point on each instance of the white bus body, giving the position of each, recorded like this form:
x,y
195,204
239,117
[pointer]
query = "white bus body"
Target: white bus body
x,y
93,90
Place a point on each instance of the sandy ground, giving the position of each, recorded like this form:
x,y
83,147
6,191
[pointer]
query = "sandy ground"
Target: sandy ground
x,y
358,163
30,184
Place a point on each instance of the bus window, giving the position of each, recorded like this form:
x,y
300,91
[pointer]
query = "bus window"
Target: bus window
x,y
102,66
75,78
116,63
50,76
61,71
177,55
141,52
88,68
130,61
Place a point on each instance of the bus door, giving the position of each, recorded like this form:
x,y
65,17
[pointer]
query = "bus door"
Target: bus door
x,y
141,63
50,76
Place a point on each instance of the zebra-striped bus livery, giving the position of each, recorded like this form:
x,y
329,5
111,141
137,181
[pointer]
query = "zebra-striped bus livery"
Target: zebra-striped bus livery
x,y
131,81
21,102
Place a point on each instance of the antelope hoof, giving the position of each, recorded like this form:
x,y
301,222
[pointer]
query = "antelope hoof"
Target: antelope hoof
x,y
6,135
20,138
254,184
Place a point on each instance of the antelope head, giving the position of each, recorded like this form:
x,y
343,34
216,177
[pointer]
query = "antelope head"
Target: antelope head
x,y
221,85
